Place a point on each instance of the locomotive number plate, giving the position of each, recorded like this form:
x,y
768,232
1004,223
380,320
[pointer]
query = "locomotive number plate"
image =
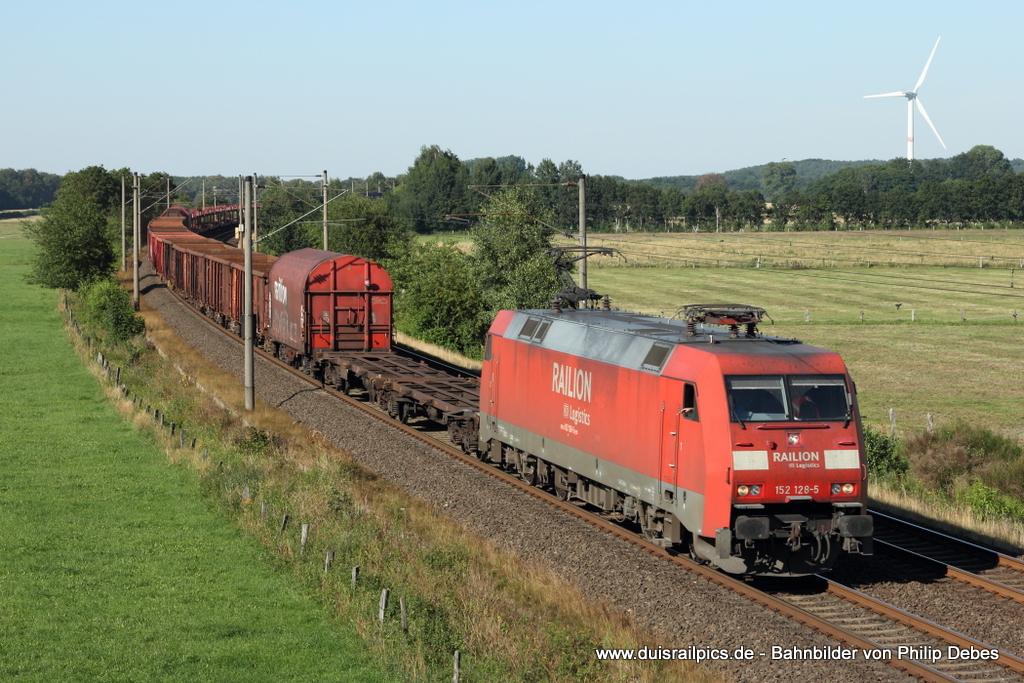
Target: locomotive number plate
x,y
797,490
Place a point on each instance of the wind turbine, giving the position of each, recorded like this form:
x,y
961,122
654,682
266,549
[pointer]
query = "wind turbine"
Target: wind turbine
x,y
912,98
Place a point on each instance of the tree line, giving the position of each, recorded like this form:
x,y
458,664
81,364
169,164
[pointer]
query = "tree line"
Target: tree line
x,y
26,189
442,193
977,186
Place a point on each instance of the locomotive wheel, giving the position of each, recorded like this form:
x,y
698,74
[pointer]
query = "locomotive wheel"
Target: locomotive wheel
x,y
561,485
528,469
647,523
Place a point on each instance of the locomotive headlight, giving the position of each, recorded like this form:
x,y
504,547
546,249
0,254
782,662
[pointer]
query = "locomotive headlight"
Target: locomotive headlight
x,y
836,488
742,489
847,489
755,490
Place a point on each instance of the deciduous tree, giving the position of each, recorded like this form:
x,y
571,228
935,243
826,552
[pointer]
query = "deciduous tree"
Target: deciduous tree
x,y
778,179
510,253
72,245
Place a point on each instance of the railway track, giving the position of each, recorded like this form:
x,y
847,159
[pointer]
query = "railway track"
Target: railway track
x,y
951,557
863,625
909,642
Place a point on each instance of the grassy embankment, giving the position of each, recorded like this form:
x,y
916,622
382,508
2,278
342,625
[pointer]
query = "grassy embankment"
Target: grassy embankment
x,y
511,622
918,358
112,566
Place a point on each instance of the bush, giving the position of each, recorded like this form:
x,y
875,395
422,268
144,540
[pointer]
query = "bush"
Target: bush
x,y
439,299
955,456
108,306
988,503
884,454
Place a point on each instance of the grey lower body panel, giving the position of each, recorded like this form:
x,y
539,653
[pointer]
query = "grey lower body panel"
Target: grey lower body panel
x,y
687,506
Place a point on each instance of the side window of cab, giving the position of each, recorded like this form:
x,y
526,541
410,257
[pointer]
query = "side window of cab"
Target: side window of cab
x,y
690,402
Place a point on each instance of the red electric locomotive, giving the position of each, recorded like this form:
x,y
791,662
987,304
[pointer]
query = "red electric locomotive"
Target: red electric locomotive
x,y
745,449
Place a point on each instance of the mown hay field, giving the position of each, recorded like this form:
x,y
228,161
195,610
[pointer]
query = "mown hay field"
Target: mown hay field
x,y
14,227
918,357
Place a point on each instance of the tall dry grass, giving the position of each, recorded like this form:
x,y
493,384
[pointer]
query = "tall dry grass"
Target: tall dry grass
x,y
956,520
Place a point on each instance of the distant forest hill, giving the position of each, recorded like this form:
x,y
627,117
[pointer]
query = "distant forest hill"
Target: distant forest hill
x,y
750,178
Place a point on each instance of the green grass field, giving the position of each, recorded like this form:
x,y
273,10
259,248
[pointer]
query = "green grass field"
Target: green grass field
x,y
969,370
112,565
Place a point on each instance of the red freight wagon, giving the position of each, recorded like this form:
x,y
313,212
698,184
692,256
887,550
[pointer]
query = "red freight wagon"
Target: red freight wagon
x,y
163,242
747,449
322,302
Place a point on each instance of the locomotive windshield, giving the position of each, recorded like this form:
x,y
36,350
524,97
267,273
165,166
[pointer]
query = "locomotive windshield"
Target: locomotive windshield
x,y
777,398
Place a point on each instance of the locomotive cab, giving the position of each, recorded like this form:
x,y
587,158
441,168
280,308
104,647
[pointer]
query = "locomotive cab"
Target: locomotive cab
x,y
797,478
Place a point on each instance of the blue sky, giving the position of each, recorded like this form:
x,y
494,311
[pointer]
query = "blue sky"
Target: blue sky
x,y
636,89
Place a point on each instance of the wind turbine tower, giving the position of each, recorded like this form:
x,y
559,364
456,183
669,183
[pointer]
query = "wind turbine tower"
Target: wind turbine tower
x,y
912,98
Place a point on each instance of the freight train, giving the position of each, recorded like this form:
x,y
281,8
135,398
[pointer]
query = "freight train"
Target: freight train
x,y
742,449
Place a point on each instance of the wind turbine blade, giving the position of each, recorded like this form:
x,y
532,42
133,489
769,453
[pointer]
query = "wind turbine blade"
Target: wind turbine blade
x,y
920,108
928,64
888,94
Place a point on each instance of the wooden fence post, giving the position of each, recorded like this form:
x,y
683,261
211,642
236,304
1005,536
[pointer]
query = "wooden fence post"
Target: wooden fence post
x,y
383,604
456,667
305,537
892,422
